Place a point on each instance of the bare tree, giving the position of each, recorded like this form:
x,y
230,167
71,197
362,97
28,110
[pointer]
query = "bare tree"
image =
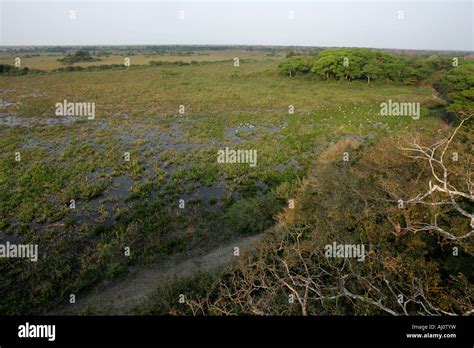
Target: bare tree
x,y
441,183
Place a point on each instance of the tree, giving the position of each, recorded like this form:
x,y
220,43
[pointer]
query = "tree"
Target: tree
x,y
442,182
296,64
457,87
370,71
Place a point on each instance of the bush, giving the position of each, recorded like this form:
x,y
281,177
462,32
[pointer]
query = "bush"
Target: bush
x,y
79,56
6,69
160,62
254,215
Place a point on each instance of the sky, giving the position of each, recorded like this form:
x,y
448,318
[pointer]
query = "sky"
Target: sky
x,y
407,24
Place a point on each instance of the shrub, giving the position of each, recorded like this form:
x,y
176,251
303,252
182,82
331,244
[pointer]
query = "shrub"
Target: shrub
x,y
250,216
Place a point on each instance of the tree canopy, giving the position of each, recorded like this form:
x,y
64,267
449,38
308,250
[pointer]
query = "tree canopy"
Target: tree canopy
x,y
365,64
78,56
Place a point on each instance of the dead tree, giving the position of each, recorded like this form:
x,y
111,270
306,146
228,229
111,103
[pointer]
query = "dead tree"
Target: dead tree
x,y
435,155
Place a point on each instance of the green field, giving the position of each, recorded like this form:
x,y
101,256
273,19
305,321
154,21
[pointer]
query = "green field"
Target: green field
x,y
135,204
48,62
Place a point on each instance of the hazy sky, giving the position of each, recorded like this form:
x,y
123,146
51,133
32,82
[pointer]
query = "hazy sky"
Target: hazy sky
x,y
415,24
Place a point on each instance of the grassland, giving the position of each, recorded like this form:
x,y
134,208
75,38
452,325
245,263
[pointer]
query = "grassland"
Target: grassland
x,y
49,62
135,203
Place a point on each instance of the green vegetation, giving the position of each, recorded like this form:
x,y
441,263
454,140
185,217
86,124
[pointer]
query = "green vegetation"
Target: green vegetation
x,y
296,64
160,62
90,67
341,202
135,203
48,59
457,86
76,57
14,71
365,64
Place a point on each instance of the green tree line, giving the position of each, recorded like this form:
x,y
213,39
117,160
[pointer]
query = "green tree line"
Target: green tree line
x,y
366,64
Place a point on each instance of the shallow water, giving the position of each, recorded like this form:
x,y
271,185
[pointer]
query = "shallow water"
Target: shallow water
x,y
28,122
4,103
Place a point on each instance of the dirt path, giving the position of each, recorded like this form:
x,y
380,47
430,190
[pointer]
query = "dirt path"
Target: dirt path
x,y
121,296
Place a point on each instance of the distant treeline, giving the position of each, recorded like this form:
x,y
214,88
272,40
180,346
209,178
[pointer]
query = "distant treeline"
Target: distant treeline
x,y
192,49
90,68
79,56
178,63
122,66
48,49
11,70
366,64
181,50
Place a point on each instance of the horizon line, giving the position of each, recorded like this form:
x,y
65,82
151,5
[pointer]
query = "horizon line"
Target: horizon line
x,y
236,45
